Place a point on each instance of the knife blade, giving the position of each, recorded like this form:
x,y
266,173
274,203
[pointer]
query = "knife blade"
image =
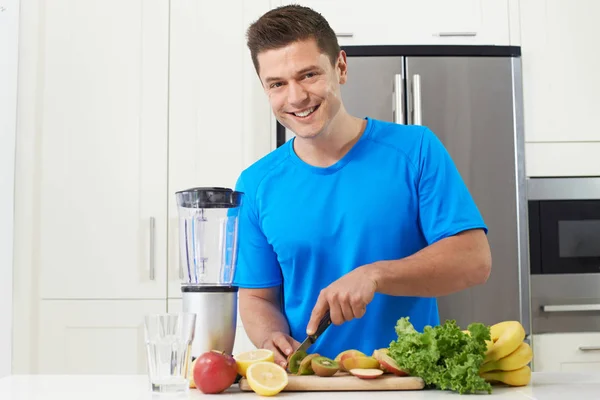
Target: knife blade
x,y
311,339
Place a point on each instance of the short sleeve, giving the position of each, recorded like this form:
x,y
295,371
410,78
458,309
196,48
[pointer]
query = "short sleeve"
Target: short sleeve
x,y
257,265
445,205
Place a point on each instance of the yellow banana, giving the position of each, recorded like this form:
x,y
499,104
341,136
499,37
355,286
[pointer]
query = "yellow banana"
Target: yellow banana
x,y
515,360
518,377
506,337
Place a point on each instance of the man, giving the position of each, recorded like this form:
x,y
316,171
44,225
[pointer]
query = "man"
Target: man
x,y
365,218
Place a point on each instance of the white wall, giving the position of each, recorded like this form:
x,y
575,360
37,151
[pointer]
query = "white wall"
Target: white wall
x,y
9,22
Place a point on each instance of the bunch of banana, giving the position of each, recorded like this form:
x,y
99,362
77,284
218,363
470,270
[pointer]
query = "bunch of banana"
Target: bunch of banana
x,y
507,356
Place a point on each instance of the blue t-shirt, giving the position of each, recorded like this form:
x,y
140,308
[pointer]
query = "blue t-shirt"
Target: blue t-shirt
x,y
395,192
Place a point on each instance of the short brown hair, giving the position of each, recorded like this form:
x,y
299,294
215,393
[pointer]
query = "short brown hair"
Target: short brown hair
x,y
287,24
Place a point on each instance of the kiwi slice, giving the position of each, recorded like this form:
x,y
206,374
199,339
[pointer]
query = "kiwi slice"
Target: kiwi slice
x,y
305,367
323,366
294,361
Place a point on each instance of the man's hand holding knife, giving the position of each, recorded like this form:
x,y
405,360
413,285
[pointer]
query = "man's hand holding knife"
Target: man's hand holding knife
x,y
346,298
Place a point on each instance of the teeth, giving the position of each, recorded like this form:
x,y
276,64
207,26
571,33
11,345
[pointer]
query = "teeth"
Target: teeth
x,y
305,112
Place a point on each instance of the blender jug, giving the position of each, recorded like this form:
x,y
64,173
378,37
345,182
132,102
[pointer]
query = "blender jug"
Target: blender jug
x,y
208,232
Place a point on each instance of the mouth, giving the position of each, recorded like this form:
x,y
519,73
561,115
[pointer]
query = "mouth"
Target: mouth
x,y
306,112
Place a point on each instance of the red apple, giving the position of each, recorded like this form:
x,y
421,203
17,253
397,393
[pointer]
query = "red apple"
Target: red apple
x,y
390,365
214,372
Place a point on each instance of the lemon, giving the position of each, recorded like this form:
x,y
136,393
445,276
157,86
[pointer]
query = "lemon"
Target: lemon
x,y
266,378
247,358
191,374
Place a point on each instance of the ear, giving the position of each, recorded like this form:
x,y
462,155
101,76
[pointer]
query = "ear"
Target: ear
x,y
342,67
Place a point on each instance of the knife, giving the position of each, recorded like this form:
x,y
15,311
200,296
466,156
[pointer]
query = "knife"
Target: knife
x,y
323,324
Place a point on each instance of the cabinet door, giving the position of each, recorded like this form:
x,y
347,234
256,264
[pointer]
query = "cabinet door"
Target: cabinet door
x,y
560,70
566,352
93,336
412,22
100,207
9,54
219,117
562,159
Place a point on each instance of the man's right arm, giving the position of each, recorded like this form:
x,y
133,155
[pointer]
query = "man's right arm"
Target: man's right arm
x,y
265,324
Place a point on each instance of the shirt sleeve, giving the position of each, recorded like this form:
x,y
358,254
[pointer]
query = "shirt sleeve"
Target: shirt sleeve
x,y
257,265
445,205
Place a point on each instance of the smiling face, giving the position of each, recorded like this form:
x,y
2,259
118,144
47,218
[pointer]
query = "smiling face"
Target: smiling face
x,y
303,87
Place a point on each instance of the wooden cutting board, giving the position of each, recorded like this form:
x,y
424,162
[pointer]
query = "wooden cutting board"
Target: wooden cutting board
x,y
345,382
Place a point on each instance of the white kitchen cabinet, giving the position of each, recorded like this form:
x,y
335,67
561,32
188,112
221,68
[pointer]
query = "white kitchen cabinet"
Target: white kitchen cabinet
x,y
566,352
410,22
560,70
219,116
100,207
113,119
562,159
93,336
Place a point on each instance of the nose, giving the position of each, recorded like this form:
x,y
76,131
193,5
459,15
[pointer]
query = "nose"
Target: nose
x,y
296,94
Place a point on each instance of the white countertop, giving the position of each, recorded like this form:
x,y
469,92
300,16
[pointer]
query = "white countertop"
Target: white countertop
x,y
544,386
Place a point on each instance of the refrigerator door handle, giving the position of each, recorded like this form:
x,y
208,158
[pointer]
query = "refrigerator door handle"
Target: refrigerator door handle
x,y
417,118
397,100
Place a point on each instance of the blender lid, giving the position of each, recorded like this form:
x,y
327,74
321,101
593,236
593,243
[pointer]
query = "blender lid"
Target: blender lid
x,y
209,197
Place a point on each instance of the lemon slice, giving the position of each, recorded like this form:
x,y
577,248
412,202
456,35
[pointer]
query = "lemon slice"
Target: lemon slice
x,y
191,374
266,378
247,358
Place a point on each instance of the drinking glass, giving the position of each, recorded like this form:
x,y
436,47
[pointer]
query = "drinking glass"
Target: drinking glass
x,y
168,347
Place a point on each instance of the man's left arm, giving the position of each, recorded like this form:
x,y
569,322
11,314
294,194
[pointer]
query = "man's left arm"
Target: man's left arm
x,y
458,255
450,265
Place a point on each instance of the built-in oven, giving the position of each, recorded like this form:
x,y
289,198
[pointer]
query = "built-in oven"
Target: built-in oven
x,y
564,250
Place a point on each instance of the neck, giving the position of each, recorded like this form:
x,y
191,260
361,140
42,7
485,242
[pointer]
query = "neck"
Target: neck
x,y
329,147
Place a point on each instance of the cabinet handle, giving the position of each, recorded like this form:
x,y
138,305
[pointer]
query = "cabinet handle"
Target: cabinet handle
x,y
571,307
417,110
398,114
459,34
152,246
344,34
589,348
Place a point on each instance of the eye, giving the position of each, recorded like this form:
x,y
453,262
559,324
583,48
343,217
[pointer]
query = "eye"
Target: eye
x,y
275,85
310,75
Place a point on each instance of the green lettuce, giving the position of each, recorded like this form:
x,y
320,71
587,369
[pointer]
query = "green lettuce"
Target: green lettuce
x,y
444,356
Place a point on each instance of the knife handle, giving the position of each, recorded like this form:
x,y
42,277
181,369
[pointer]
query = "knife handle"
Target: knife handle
x,y
323,324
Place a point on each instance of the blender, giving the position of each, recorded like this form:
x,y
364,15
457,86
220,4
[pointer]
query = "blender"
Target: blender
x,y
208,238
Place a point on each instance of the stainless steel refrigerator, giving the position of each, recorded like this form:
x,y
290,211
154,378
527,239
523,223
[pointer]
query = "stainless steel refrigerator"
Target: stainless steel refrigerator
x,y
471,98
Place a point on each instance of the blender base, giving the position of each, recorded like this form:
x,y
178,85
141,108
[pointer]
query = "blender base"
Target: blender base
x,y
216,316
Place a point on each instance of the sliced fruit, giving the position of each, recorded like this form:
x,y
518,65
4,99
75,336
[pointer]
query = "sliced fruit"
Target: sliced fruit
x,y
390,365
338,358
366,373
247,358
294,361
345,354
323,366
359,362
305,367
377,354
266,378
191,375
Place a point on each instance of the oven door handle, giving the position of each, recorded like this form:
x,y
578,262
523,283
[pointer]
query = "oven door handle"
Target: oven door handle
x,y
571,307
